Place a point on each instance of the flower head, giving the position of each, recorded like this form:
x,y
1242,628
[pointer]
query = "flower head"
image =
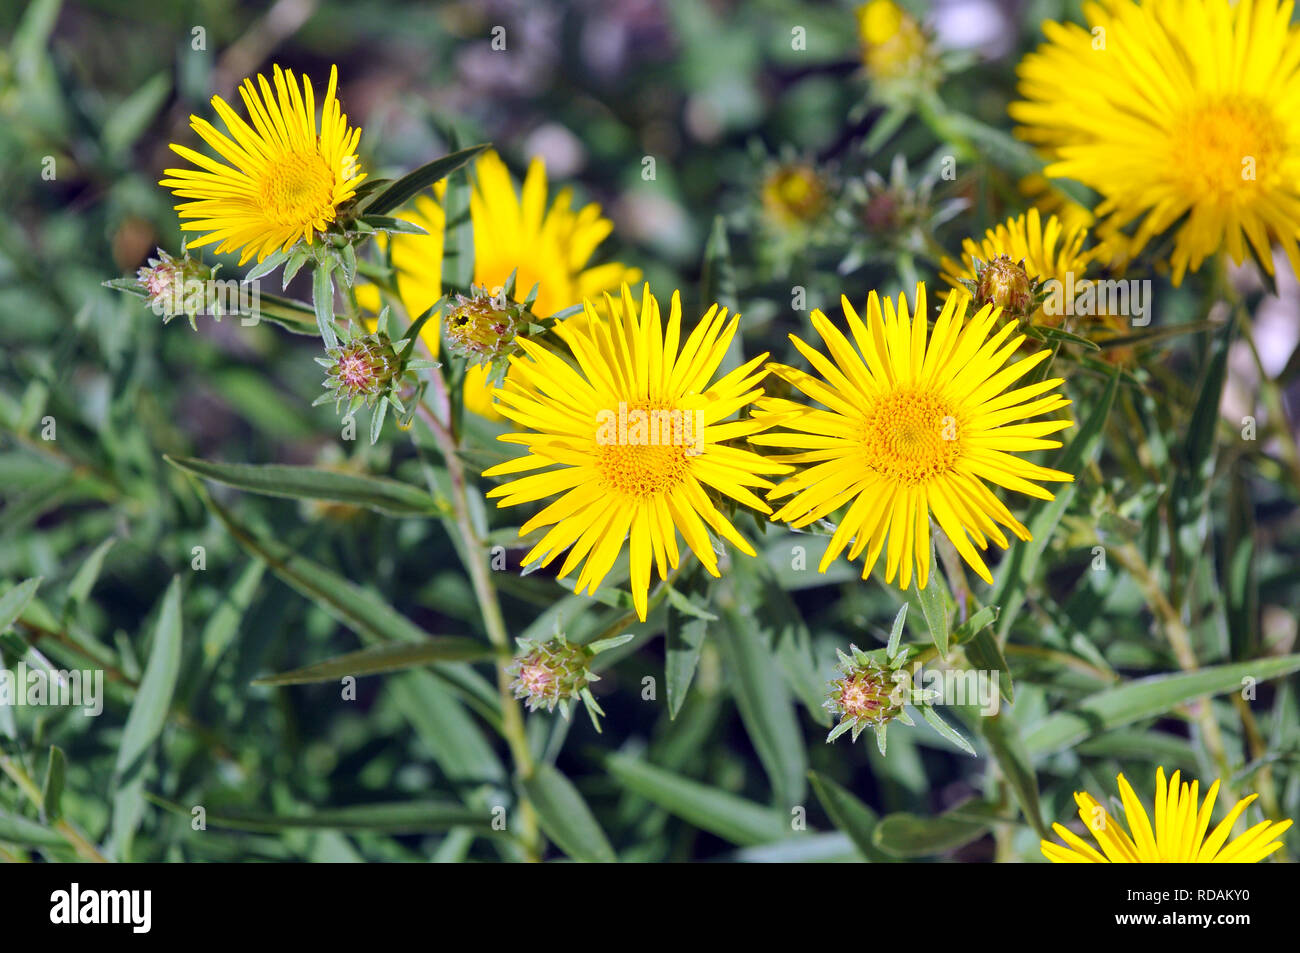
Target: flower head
x,y
1011,263
168,284
893,44
286,178
794,194
630,437
482,328
866,694
361,370
1181,823
915,425
1177,114
550,673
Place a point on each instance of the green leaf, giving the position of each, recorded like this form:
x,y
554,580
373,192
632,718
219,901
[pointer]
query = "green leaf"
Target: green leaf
x,y
1020,563
19,830
1147,698
13,602
732,818
130,119
391,657
52,789
717,279
908,835
413,183
983,651
154,697
565,816
686,607
88,572
223,624
684,639
310,483
322,299
1004,741
848,814
933,600
401,817
945,729
765,704
365,613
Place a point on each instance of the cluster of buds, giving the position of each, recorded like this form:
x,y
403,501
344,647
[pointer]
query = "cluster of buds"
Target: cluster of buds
x,y
555,673
485,326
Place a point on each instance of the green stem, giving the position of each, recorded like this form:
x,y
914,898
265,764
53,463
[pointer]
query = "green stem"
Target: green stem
x,y
512,721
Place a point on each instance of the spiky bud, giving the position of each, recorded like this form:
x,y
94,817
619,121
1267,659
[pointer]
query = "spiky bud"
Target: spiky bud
x,y
794,193
483,327
361,369
170,285
867,694
550,673
1006,284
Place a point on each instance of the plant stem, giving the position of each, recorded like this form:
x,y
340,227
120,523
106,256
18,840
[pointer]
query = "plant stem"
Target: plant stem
x,y
485,593
1180,640
20,777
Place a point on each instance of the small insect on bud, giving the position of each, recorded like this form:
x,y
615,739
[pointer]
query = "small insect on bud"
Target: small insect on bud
x,y
174,286
1005,284
482,327
794,193
550,673
866,695
361,370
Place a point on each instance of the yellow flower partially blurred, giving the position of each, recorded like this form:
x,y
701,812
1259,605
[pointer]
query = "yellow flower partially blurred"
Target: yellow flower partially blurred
x,y
513,231
893,44
1181,833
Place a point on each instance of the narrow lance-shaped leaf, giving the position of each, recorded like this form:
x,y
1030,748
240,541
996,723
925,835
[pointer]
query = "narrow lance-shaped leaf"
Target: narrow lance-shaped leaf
x,y
565,816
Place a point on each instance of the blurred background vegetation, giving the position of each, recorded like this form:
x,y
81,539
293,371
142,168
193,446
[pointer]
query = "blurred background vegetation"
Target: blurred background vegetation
x,y
721,98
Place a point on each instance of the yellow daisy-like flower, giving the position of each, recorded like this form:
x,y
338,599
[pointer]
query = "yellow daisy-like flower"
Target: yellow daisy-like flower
x,y
630,440
1179,112
914,425
547,247
893,44
1181,822
286,179
1049,251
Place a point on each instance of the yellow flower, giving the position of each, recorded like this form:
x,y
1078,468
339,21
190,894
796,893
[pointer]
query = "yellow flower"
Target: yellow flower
x,y
285,182
1179,115
893,44
1181,822
912,428
630,440
549,247
794,194
1048,250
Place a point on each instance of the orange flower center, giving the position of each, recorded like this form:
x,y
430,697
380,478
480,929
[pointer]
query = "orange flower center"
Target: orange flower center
x,y
911,436
298,189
